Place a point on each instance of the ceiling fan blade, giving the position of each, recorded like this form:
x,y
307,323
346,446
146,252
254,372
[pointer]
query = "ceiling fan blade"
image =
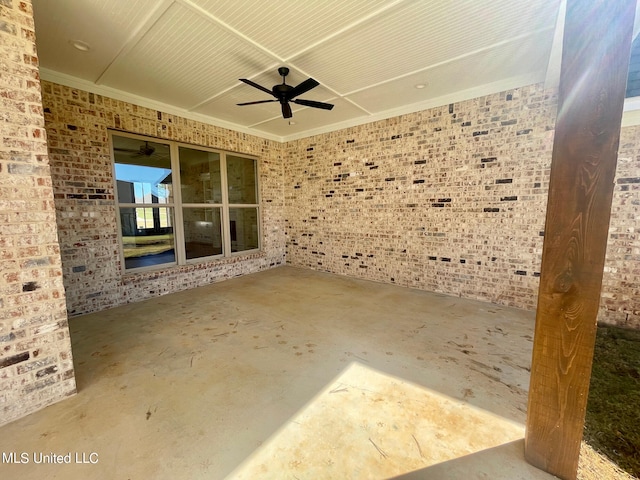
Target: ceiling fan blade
x,y
286,110
305,86
254,84
311,103
253,103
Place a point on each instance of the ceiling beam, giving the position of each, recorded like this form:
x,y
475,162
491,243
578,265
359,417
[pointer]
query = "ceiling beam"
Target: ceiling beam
x,y
595,60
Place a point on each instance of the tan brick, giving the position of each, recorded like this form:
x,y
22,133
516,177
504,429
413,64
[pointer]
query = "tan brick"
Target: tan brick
x,y
28,224
81,166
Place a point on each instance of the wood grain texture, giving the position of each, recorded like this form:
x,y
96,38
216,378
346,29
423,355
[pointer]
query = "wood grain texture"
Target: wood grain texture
x,y
597,42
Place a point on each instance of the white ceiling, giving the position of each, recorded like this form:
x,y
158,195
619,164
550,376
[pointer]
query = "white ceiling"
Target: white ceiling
x,y
186,56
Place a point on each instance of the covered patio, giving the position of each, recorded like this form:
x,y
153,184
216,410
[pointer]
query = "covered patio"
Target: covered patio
x,y
288,372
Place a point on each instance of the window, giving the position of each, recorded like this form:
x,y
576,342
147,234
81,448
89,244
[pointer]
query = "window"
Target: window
x,y
180,204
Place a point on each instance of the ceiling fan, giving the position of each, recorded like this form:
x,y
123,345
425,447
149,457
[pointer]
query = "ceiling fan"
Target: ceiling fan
x,y
284,94
145,150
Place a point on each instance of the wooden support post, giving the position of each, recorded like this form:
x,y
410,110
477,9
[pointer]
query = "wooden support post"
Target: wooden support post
x,y
595,59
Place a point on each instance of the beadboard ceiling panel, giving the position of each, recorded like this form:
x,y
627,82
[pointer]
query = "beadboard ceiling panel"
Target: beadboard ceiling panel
x,y
184,59
274,24
469,74
186,56
415,35
104,26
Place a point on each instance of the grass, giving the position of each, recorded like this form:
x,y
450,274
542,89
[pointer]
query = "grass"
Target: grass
x,y
612,424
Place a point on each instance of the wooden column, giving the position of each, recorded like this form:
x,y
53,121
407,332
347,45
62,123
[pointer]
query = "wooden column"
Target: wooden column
x,y
596,49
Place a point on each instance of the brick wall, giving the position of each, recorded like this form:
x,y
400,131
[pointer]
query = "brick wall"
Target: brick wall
x,y
451,200
620,301
82,172
36,367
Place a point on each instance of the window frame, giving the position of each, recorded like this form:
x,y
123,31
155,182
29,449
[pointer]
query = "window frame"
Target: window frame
x,y
176,206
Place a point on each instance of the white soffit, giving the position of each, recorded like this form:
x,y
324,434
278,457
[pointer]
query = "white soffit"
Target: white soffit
x,y
181,59
475,71
286,27
105,27
186,56
415,35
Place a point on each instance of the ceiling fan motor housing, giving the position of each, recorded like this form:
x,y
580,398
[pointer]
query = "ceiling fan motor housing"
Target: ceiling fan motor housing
x,y
281,91
284,94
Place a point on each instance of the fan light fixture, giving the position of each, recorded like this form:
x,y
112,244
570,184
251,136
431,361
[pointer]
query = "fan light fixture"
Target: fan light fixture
x,y
80,45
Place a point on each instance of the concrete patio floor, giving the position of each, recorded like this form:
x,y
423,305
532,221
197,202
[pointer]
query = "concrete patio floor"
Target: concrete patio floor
x,y
289,374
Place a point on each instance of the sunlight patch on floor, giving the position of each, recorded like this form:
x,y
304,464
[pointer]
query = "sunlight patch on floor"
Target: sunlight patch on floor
x,y
367,424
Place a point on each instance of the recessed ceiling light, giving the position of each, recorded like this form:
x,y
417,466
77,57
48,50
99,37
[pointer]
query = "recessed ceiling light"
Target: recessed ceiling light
x,y
420,86
291,122
80,45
